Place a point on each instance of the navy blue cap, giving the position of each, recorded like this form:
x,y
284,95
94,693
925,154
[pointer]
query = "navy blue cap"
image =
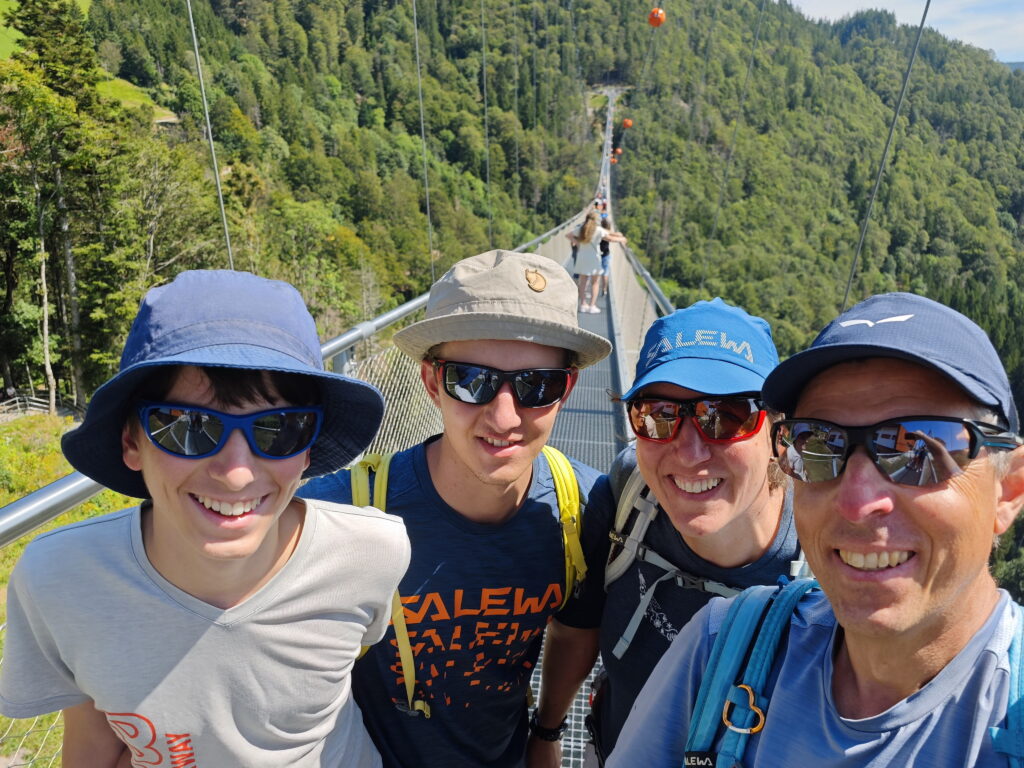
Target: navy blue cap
x,y
907,327
233,320
710,347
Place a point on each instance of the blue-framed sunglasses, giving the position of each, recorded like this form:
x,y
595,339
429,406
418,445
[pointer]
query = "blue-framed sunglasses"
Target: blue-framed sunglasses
x,y
193,432
913,450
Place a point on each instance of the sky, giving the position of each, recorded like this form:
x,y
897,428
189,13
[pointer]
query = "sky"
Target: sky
x,y
996,25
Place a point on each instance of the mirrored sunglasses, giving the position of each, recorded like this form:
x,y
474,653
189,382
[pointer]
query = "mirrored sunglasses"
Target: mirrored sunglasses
x,y
478,384
717,419
914,450
192,432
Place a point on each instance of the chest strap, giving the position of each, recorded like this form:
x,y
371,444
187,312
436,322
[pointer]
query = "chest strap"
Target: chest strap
x,y
681,578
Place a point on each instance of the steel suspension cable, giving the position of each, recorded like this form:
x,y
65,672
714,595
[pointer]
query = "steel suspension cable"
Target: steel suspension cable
x,y
704,70
579,72
487,132
732,144
423,140
209,135
885,155
515,91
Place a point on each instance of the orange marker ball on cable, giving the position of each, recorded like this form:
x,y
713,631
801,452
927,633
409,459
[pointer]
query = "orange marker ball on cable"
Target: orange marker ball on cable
x,y
656,18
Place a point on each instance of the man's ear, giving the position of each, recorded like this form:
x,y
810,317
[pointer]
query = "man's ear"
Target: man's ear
x,y
1011,497
130,446
428,374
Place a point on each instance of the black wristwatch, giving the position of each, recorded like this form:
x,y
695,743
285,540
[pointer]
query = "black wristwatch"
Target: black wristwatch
x,y
547,734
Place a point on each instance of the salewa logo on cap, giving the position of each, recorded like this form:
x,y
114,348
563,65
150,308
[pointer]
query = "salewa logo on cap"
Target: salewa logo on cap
x,y
703,338
872,324
536,280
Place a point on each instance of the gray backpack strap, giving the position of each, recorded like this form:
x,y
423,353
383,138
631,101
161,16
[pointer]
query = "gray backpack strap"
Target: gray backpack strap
x,y
633,497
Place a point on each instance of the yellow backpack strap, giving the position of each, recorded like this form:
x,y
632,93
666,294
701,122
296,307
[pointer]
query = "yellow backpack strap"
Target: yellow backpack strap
x,y
380,463
405,654
567,491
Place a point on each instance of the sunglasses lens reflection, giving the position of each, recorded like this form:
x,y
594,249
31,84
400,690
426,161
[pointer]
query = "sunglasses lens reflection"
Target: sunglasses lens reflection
x,y
478,385
915,452
719,419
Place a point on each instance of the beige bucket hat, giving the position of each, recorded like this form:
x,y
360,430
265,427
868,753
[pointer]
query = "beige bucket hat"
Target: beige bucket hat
x,y
508,296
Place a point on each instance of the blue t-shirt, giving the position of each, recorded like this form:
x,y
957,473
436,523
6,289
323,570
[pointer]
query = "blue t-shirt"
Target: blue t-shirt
x,y
943,725
477,599
672,606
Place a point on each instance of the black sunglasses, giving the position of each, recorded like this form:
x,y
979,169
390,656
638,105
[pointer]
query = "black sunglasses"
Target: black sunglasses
x,y
718,419
192,432
478,384
913,450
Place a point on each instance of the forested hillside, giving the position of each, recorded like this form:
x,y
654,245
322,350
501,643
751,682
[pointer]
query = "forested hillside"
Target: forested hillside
x,y
808,139
315,111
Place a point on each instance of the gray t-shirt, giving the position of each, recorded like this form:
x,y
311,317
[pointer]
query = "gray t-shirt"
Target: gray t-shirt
x,y
264,683
943,725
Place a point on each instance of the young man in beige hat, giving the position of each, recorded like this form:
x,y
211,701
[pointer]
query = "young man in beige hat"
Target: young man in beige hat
x,y
500,351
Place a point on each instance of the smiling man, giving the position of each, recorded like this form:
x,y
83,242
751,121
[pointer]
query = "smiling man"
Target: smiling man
x,y
907,433
216,623
499,351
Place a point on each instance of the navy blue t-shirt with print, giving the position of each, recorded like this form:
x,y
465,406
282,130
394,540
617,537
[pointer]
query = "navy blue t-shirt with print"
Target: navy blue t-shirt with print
x,y
477,598
672,605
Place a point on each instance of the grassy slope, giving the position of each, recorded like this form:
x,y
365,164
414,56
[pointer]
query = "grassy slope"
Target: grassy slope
x,y
8,37
30,457
116,89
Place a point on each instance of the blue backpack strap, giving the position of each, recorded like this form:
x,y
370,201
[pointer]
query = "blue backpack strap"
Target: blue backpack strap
x,y
1010,740
748,698
727,654
750,634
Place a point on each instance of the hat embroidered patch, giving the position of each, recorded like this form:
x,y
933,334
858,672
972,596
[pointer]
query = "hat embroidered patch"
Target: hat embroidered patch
x,y
536,280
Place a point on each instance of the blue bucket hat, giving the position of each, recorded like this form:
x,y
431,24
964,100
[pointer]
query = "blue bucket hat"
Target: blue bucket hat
x,y
231,320
710,347
907,327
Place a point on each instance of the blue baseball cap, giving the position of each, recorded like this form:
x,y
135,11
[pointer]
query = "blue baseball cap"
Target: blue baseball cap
x,y
232,320
710,347
907,327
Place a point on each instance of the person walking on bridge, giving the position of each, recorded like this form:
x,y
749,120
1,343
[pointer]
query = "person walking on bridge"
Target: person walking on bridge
x,y
499,352
216,623
586,240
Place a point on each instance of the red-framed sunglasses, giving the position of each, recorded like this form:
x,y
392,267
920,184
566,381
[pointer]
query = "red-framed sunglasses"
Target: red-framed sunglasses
x,y
725,419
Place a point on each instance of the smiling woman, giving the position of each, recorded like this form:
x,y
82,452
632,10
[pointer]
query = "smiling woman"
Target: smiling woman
x,y
706,513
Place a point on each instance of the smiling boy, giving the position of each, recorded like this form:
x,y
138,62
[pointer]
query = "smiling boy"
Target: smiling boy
x,y
217,622
499,352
